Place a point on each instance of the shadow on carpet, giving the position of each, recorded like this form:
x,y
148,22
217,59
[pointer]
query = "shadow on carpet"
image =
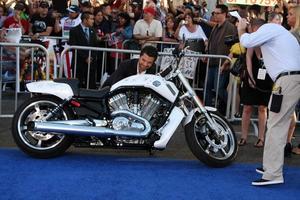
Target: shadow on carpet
x,y
94,176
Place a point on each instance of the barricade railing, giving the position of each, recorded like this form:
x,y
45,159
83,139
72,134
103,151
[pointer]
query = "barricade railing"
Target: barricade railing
x,y
47,37
159,43
106,50
17,46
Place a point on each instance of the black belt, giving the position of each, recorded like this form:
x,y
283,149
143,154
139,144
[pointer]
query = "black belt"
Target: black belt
x,y
287,73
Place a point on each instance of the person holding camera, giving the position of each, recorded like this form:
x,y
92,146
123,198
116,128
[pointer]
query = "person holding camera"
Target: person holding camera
x,y
280,51
192,33
217,46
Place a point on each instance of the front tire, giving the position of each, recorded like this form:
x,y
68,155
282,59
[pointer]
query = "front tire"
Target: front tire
x,y
35,143
213,149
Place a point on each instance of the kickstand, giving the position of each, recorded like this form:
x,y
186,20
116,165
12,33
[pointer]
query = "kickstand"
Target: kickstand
x,y
151,152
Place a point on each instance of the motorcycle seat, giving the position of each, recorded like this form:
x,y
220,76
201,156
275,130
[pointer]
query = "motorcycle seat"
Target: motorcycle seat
x,y
81,92
97,94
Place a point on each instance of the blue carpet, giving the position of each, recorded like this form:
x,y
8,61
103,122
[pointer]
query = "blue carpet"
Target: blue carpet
x,y
91,176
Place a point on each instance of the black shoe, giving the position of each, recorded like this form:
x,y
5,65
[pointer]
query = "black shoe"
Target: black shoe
x,y
262,182
288,150
260,170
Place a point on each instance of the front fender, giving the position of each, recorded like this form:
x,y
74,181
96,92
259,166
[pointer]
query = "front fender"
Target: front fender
x,y
61,90
189,117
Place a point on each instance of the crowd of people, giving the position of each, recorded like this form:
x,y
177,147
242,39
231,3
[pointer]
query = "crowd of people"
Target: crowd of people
x,y
88,23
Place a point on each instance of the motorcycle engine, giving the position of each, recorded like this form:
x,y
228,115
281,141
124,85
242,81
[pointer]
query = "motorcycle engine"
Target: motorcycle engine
x,y
147,106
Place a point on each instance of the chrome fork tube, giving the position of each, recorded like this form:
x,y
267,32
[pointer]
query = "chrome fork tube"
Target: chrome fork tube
x,y
196,99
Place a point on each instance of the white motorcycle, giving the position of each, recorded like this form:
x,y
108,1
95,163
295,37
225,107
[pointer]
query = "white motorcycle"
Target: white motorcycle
x,y
138,112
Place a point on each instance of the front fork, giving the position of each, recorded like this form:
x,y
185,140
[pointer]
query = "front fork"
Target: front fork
x,y
191,93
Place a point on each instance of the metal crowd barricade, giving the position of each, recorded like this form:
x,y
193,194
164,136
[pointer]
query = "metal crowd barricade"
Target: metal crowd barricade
x,y
106,50
89,49
17,79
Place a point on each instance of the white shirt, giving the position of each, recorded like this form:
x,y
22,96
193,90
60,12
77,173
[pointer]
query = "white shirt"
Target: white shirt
x,y
67,23
198,34
154,29
280,49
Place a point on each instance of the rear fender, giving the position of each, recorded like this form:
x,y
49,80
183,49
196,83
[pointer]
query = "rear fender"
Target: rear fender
x,y
60,90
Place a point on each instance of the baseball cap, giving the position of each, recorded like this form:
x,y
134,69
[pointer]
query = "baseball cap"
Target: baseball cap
x,y
85,3
73,9
150,10
44,4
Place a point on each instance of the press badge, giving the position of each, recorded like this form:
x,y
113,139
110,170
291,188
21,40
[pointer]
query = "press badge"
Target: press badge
x,y
261,74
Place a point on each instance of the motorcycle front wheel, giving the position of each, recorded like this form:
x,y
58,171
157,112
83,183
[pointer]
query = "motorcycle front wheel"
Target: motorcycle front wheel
x,y
215,148
35,143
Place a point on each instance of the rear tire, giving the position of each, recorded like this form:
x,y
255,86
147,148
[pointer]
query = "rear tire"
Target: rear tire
x,y
35,143
203,144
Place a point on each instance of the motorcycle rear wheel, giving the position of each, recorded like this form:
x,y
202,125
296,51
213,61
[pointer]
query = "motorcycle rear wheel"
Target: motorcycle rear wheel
x,y
202,141
35,143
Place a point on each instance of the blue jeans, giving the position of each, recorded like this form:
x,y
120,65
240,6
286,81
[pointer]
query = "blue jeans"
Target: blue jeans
x,y
212,80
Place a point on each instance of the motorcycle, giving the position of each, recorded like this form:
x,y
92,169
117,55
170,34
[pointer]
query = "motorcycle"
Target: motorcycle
x,y
138,112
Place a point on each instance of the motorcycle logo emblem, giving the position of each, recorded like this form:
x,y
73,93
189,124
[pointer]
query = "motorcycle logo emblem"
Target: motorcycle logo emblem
x,y
156,83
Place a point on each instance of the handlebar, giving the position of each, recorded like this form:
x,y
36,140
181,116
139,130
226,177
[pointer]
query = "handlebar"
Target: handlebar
x,y
166,71
178,53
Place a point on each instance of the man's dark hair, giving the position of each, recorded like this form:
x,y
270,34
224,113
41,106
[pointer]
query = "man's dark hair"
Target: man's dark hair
x,y
85,15
96,10
223,8
103,6
150,51
257,22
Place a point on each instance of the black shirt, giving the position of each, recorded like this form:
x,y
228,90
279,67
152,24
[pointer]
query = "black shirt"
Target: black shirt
x,y
40,24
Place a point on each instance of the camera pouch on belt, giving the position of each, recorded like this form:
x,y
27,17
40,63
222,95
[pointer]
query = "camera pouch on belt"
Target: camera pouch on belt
x,y
276,102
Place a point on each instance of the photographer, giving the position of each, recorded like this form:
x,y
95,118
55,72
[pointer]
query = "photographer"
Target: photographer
x,y
284,69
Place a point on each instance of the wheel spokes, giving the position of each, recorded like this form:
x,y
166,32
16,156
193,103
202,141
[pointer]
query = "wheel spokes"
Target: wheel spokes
x,y
23,128
223,152
37,107
39,143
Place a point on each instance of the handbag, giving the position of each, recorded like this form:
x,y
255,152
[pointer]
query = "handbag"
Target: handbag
x,y
238,65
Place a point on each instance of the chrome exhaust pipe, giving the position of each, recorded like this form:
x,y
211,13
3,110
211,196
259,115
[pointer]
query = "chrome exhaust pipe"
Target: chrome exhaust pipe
x,y
85,128
58,128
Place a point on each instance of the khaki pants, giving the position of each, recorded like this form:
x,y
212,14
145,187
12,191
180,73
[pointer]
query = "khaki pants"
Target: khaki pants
x,y
278,125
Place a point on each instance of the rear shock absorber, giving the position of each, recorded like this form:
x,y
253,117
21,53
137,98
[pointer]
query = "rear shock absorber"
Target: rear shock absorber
x,y
57,109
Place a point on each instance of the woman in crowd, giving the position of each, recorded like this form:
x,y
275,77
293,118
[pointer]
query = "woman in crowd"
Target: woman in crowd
x,y
169,32
98,26
192,33
254,92
123,32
